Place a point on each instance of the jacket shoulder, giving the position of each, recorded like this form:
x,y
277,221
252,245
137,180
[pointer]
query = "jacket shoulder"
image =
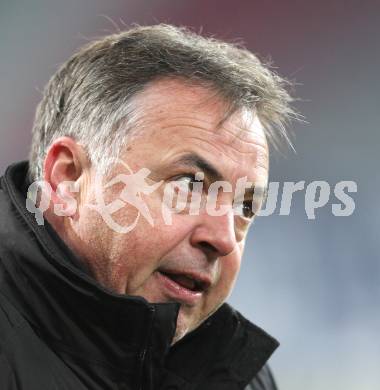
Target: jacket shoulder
x,y
263,380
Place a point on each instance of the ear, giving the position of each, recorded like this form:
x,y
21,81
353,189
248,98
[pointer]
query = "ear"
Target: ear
x,y
66,163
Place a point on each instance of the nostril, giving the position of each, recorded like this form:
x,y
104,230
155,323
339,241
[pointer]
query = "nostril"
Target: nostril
x,y
207,247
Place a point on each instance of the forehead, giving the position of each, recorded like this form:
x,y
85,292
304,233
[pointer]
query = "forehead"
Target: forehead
x,y
175,117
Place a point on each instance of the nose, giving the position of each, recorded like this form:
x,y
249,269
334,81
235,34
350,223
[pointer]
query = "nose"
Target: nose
x,y
215,235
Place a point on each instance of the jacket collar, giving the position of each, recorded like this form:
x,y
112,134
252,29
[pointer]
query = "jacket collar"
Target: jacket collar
x,y
123,334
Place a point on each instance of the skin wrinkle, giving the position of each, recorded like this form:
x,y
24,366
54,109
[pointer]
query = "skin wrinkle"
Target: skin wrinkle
x,y
112,75
234,137
219,149
212,100
128,263
243,142
261,145
169,166
175,156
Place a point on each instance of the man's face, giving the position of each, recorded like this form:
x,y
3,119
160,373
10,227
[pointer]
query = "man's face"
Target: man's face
x,y
195,259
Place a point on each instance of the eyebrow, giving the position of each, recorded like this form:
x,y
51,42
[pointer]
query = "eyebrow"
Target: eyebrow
x,y
195,161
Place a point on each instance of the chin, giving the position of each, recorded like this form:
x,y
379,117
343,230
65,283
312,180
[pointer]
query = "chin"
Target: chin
x,y
184,326
186,323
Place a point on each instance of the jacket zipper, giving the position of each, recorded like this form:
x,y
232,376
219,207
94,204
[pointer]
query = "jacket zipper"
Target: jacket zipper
x,y
145,349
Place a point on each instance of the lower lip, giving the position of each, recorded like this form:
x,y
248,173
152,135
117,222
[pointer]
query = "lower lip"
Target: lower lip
x,y
177,292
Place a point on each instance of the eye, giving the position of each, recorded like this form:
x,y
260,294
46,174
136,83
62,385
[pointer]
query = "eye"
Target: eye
x,y
186,180
191,181
185,186
245,209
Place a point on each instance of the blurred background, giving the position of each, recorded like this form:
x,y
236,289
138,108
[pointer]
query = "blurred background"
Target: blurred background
x,y
314,284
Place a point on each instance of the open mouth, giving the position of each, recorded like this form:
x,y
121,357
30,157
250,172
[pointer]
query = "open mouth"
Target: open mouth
x,y
186,281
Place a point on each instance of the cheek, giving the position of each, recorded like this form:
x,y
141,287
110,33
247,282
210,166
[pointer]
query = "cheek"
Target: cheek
x,y
146,247
229,269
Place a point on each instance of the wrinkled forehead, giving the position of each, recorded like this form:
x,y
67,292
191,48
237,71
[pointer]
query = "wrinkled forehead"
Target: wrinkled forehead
x,y
169,101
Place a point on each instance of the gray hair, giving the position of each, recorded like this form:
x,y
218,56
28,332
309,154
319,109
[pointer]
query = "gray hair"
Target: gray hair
x,y
90,96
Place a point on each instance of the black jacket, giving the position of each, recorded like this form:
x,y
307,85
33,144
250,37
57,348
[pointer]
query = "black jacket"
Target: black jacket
x,y
61,330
